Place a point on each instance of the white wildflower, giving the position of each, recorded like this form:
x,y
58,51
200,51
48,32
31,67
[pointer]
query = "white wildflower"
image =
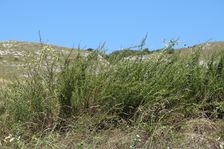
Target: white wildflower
x,y
12,139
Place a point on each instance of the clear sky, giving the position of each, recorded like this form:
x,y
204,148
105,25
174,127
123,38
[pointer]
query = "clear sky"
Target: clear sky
x,y
119,23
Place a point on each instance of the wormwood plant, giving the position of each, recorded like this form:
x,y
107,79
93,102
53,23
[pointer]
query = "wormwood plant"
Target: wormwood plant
x,y
56,88
164,89
33,99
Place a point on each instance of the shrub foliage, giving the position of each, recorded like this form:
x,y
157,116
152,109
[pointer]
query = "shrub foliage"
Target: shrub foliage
x,y
59,88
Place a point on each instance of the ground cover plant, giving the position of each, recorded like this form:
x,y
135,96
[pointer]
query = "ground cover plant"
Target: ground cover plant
x,y
170,100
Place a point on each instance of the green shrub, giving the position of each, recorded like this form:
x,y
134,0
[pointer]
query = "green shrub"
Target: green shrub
x,y
58,89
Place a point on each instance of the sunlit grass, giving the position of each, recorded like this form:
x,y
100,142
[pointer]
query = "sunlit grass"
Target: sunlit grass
x,y
64,95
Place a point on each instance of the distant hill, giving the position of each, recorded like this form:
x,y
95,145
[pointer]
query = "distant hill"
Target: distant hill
x,y
206,50
15,55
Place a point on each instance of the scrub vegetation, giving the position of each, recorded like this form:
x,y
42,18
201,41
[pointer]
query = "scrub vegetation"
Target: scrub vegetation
x,y
128,99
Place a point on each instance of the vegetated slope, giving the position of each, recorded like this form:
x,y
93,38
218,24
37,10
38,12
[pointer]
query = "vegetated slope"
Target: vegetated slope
x,y
206,50
167,100
15,56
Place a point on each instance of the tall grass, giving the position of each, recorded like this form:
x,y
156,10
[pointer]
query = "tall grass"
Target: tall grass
x,y
159,89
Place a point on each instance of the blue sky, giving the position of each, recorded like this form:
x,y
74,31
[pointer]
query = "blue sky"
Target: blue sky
x,y
119,23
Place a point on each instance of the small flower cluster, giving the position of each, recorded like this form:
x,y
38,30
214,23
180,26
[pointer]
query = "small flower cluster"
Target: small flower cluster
x,y
10,138
136,140
48,53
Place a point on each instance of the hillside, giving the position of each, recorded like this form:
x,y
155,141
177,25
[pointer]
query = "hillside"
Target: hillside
x,y
132,99
16,56
206,49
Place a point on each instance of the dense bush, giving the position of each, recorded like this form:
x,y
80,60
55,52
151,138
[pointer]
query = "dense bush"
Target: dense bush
x,y
58,89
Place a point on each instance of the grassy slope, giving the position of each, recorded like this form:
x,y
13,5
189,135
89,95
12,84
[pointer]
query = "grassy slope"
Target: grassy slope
x,y
173,102
14,56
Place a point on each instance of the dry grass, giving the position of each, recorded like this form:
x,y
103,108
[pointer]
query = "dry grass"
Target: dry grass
x,y
82,102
